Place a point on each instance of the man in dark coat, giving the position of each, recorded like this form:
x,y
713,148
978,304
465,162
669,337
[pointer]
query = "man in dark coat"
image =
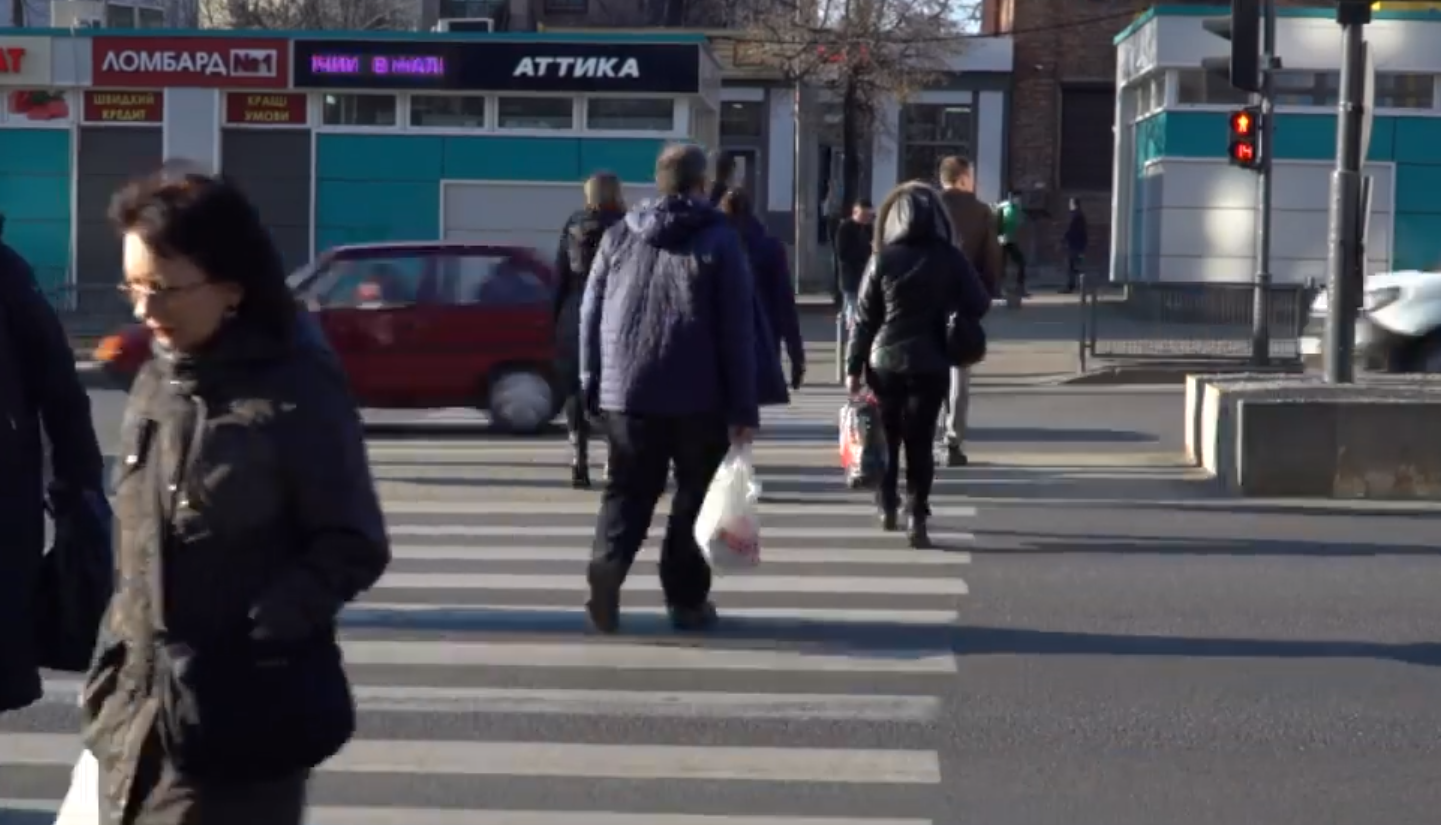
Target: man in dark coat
x,y
668,354
38,387
852,250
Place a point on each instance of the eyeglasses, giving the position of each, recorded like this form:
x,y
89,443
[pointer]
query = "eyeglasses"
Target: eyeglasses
x,y
156,293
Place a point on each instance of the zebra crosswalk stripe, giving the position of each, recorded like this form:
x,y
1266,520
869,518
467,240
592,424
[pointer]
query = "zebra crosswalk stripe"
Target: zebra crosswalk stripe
x,y
484,701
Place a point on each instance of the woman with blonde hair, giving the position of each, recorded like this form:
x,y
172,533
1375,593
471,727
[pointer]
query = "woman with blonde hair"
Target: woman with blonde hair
x,y
579,239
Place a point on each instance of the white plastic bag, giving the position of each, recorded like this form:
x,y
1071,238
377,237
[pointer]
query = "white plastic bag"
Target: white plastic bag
x,y
728,528
82,801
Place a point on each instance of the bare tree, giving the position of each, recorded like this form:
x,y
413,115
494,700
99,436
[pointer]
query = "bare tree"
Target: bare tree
x,y
863,52
301,15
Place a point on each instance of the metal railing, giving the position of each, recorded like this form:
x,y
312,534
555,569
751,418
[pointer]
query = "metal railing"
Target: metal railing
x,y
1186,322
90,311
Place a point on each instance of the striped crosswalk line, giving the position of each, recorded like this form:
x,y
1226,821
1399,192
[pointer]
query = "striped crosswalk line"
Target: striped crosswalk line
x,y
485,701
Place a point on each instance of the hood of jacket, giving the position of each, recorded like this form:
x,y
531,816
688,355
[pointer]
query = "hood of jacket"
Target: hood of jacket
x,y
585,221
913,214
672,221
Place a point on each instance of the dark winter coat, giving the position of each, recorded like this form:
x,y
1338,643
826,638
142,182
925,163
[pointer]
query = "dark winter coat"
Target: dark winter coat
x,y
38,387
246,509
852,251
574,254
669,317
777,321
916,280
1076,235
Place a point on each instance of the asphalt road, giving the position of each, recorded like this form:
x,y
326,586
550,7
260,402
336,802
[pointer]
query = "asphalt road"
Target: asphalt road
x,y
1128,648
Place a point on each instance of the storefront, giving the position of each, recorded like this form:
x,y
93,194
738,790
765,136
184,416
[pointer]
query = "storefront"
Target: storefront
x,y
339,139
489,141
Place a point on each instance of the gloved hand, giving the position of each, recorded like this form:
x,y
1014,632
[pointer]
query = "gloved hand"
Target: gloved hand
x,y
798,374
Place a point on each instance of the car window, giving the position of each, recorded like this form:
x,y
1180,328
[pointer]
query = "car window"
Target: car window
x,y
492,280
369,282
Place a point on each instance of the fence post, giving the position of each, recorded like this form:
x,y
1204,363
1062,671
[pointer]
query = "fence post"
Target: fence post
x,y
1083,285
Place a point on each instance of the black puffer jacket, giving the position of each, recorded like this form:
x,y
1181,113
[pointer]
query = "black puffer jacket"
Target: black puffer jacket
x,y
915,280
579,240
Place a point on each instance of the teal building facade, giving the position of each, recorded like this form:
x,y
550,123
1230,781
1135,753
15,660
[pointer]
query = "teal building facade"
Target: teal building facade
x,y
1183,213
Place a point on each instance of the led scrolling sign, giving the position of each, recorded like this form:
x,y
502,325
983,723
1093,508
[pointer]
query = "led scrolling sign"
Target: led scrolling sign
x,y
351,65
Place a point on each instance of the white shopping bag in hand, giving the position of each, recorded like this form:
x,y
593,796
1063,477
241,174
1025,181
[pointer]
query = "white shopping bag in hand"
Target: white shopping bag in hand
x,y
82,802
728,528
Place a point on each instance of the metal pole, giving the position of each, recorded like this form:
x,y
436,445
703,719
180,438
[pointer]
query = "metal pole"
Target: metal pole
x,y
1261,298
807,181
1345,224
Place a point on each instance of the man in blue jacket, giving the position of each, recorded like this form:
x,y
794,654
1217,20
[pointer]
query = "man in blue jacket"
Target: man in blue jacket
x,y
668,353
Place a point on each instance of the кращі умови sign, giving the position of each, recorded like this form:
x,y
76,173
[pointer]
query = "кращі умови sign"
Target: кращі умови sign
x,y
506,66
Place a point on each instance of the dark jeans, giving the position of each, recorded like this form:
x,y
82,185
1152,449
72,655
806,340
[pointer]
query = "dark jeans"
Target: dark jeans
x,y
909,405
1013,255
1073,268
642,450
577,424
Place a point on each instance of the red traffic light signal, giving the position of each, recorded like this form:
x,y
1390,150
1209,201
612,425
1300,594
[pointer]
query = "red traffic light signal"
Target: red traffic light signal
x,y
1244,147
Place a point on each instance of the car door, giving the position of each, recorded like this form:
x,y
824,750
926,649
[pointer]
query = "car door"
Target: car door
x,y
368,309
493,309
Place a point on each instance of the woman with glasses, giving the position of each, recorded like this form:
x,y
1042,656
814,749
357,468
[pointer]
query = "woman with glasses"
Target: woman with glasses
x,y
247,519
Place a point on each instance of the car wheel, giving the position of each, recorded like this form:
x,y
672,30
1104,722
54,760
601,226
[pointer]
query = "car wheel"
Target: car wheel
x,y
1428,355
521,401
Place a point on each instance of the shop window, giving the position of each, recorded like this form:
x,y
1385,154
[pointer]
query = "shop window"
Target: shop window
x,y
359,110
1295,88
1197,87
630,114
536,113
1399,90
743,120
930,132
567,6
1087,114
447,111
149,18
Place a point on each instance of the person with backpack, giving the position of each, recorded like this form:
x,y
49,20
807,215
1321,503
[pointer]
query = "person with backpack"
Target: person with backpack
x,y
1010,216
579,240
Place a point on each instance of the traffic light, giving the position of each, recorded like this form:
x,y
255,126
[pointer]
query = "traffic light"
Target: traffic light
x,y
1245,144
1243,29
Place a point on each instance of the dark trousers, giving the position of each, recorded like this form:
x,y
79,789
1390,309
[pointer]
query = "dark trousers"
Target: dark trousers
x,y
1073,268
577,424
642,450
1013,255
909,406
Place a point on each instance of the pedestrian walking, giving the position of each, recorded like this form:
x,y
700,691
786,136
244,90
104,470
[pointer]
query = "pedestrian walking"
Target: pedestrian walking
x,y
1076,240
976,232
41,400
852,249
778,321
917,280
1010,215
579,239
668,352
247,518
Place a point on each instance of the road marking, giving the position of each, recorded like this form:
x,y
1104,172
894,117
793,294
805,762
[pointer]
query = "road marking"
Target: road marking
x,y
520,616
758,583
940,539
899,556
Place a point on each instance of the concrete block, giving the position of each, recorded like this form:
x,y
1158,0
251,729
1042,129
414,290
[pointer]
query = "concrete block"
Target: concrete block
x,y
1196,384
1277,438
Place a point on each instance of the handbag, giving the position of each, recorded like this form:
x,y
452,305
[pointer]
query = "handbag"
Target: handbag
x,y
965,340
243,710
74,586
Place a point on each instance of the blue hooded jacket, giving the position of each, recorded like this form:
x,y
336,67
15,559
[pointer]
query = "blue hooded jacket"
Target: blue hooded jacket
x,y
667,324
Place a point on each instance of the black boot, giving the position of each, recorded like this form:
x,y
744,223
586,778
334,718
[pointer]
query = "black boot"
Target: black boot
x,y
603,608
887,515
955,457
916,534
579,462
696,619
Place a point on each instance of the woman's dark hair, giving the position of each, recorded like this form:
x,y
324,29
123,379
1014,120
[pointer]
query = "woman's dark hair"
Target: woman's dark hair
x,y
181,213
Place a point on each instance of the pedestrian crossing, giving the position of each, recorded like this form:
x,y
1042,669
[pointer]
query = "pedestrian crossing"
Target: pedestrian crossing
x,y
484,700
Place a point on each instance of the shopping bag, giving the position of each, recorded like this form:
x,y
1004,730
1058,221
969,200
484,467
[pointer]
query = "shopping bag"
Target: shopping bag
x,y
82,801
728,527
862,443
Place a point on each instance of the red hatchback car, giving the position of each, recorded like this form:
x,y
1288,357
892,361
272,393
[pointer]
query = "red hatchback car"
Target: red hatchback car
x,y
423,326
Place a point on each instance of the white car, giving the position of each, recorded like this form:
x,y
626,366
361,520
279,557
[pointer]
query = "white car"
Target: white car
x,y
1398,328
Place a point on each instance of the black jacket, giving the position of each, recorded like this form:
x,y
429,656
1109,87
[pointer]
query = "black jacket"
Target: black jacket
x,y
38,387
916,279
245,508
852,251
579,240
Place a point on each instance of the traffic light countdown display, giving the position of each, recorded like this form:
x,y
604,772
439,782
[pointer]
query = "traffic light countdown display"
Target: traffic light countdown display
x,y
1245,149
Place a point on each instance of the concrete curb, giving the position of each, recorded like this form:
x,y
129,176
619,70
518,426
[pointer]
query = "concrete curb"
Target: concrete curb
x,y
1167,373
